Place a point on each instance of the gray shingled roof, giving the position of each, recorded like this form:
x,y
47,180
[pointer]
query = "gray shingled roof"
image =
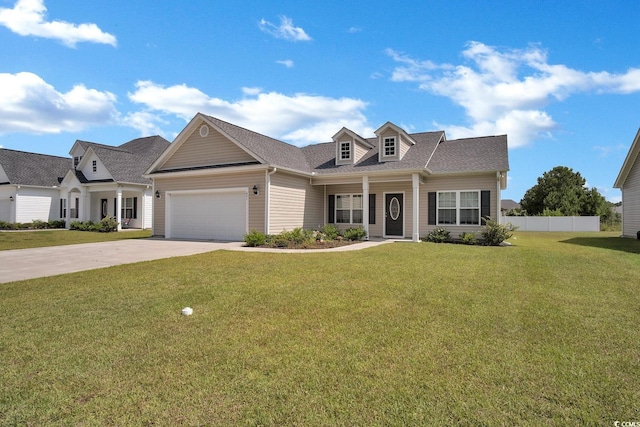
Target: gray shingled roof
x,y
40,170
432,151
271,150
488,153
129,161
322,156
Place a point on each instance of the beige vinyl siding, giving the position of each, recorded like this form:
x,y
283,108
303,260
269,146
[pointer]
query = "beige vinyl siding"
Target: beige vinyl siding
x,y
404,147
213,181
481,182
214,149
294,202
631,202
360,151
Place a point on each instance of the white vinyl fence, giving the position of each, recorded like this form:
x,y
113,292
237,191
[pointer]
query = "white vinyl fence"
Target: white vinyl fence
x,y
554,223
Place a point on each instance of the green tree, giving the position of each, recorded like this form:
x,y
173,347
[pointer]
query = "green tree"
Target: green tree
x,y
563,192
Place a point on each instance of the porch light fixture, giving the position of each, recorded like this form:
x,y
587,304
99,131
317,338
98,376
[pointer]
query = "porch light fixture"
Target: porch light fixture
x,y
11,198
255,190
157,194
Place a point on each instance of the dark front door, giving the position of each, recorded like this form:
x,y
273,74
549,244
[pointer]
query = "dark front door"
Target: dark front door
x,y
393,213
104,208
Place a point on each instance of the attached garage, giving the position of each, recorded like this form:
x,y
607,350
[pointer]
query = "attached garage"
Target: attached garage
x,y
220,214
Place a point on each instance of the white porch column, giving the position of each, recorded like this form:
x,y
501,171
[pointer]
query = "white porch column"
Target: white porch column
x,y
82,207
416,207
365,204
119,208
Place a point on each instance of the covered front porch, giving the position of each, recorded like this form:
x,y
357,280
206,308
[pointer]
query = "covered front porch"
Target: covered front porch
x,y
386,206
130,205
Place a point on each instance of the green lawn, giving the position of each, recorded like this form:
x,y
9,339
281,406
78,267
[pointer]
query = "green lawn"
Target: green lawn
x,y
36,239
545,332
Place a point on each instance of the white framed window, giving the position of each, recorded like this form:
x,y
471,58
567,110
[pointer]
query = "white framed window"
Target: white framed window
x,y
76,160
94,164
128,208
63,208
469,208
389,146
345,150
458,207
73,213
349,208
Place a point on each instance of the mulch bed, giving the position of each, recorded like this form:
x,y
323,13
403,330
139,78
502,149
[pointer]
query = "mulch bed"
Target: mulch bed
x,y
316,245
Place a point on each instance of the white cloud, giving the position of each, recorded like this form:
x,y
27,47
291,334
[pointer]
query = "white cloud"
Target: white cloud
x,y
353,30
27,18
286,30
300,119
29,104
287,63
506,91
145,122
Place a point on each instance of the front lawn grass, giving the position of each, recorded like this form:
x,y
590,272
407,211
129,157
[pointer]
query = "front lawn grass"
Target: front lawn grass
x,y
36,239
546,332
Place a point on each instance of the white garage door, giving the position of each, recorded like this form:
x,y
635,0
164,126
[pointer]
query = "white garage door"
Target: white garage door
x,y
208,215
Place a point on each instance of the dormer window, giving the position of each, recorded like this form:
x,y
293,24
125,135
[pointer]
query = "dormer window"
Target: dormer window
x,y
76,160
345,150
389,146
95,165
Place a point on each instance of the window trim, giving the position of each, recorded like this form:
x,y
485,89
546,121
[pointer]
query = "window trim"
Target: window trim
x,y
394,146
458,208
350,209
348,151
125,207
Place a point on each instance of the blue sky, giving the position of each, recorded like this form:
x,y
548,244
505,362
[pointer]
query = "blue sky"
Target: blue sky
x,y
561,79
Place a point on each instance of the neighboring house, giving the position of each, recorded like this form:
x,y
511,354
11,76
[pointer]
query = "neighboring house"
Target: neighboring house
x,y
628,182
507,204
29,185
98,180
220,181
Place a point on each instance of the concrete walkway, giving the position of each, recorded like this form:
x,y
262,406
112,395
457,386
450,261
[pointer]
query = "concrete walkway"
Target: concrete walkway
x,y
22,264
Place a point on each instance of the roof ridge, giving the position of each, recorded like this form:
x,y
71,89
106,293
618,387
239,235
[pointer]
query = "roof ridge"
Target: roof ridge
x,y
37,154
252,131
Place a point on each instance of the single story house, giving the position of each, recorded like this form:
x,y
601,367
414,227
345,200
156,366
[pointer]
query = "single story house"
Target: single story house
x,y
219,181
98,180
507,205
628,182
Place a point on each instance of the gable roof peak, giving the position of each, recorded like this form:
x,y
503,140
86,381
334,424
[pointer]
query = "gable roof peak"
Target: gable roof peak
x,y
396,128
353,135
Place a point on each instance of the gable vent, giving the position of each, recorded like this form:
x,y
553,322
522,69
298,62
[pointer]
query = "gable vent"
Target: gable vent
x,y
204,130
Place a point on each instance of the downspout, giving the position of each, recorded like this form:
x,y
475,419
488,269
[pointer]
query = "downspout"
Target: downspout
x,y
267,199
499,198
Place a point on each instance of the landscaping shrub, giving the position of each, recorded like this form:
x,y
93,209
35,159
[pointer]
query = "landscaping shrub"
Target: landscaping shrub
x,y
106,225
57,223
468,238
38,224
4,225
439,235
255,238
331,232
297,236
494,233
353,234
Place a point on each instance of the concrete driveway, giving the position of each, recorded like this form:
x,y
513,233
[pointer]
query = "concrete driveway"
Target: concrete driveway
x,y
21,264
